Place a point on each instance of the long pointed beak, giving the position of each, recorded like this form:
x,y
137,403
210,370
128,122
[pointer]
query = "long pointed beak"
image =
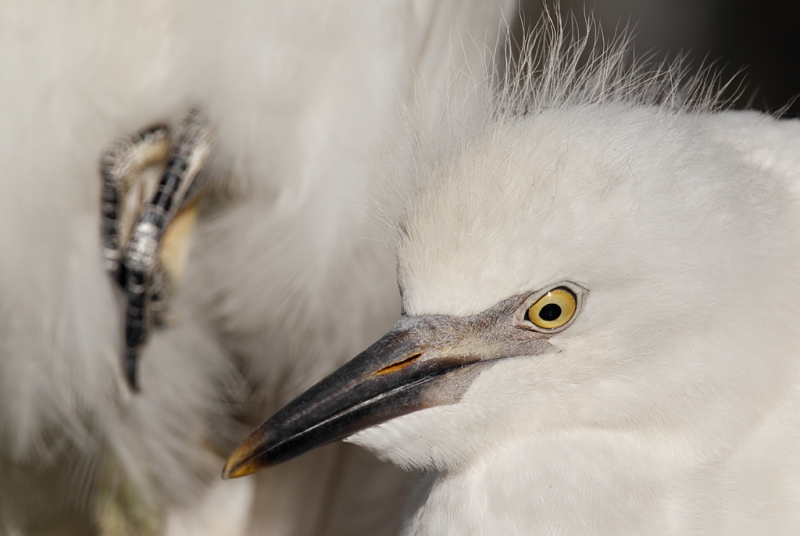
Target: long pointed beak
x,y
424,361
391,378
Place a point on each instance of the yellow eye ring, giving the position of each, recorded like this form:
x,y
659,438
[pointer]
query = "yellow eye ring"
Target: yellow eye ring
x,y
553,310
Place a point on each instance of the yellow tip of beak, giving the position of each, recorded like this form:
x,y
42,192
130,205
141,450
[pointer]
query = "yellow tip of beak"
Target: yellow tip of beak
x,y
240,463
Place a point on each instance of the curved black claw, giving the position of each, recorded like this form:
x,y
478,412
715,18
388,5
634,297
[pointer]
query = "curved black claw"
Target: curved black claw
x,y
131,368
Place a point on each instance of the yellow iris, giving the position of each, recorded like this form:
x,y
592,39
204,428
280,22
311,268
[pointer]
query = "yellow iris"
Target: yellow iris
x,y
554,309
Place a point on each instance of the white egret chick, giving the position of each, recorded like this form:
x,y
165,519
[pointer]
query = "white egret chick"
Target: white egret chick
x,y
600,290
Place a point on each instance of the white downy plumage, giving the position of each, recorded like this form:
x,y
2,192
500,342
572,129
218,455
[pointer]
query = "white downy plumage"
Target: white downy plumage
x,y
670,402
671,405
285,277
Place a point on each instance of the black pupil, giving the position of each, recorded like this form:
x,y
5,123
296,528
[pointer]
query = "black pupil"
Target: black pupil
x,y
550,312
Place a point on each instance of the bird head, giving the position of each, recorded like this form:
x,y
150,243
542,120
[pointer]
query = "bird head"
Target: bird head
x,y
617,268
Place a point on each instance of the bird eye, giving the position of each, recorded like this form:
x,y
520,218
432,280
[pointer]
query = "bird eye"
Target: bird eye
x,y
553,310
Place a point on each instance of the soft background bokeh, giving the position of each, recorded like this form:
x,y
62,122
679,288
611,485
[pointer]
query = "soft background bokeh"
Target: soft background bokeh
x,y
758,39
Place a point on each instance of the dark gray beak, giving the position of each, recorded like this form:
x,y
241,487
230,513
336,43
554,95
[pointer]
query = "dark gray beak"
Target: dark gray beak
x,y
424,361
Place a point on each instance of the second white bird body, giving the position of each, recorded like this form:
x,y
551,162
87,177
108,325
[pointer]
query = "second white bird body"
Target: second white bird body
x,y
306,102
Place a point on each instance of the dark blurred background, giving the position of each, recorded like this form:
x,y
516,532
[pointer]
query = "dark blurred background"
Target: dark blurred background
x,y
757,39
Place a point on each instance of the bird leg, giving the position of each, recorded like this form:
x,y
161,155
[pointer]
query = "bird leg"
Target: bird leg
x,y
140,265
120,164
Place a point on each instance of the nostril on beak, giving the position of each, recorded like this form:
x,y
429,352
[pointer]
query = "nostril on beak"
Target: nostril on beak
x,y
399,365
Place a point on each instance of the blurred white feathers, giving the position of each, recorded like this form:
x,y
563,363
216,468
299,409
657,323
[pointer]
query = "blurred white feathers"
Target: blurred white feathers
x,y
287,277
